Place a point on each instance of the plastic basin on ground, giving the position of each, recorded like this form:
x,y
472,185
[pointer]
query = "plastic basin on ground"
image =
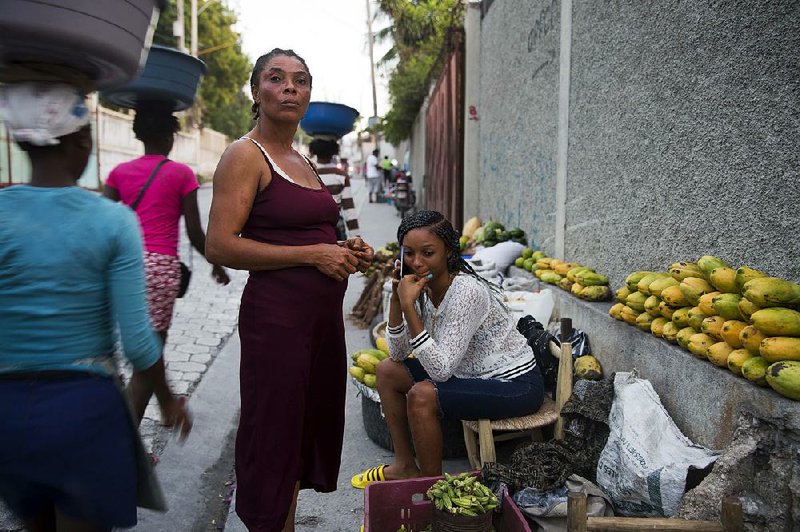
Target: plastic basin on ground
x,y
106,40
169,75
326,118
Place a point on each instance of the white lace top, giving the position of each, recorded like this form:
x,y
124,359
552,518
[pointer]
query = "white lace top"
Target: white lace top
x,y
471,335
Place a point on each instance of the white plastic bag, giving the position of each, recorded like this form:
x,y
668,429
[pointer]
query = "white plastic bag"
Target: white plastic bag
x,y
537,304
502,254
644,463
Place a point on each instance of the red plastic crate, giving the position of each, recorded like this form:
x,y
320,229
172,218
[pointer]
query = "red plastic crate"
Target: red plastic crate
x,y
392,503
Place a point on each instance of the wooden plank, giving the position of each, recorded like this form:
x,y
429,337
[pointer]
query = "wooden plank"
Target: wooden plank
x,y
576,512
732,516
564,379
623,524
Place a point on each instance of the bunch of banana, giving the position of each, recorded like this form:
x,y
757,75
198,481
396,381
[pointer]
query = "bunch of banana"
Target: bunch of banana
x,y
365,361
462,495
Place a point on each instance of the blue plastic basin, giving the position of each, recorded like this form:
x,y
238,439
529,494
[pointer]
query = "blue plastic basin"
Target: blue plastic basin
x,y
326,118
169,75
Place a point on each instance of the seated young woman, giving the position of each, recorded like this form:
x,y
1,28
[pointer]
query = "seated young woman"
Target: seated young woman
x,y
469,362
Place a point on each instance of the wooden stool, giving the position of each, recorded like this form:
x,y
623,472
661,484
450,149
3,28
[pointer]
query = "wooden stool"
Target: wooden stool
x,y
479,436
730,519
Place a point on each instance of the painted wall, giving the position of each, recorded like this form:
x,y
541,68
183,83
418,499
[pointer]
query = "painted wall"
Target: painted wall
x,y
684,125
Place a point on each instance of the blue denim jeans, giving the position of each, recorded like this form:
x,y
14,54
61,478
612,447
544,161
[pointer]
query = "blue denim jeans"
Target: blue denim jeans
x,y
484,398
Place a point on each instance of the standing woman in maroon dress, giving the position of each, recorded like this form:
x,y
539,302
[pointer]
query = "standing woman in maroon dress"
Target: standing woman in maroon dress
x,y
272,215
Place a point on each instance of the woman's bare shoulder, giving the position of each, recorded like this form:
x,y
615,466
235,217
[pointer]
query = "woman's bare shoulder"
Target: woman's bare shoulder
x,y
240,159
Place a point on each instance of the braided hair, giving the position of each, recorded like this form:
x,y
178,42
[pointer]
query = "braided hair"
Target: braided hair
x,y
261,63
154,121
438,225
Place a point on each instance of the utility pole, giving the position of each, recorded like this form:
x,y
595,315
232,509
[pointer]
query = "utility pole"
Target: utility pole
x,y
177,29
196,111
370,38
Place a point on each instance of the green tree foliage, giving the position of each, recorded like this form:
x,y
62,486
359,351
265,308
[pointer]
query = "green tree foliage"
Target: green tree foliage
x,y
420,32
225,107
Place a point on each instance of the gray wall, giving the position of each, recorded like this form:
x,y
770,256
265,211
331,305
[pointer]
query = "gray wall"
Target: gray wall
x,y
684,130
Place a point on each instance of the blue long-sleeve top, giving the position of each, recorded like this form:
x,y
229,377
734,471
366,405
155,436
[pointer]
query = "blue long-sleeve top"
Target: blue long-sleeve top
x,y
71,268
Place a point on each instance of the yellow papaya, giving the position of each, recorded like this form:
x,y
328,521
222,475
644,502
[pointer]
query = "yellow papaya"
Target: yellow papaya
x,y
370,380
651,306
588,278
784,378
576,288
751,339
666,310
657,325
707,263
633,279
629,315
471,226
550,277
670,332
622,294
736,360
644,283
694,287
681,270
565,284
772,292
595,293
747,307
705,303
778,348
357,373
643,321
674,297
712,326
731,330
744,274
636,301
588,367
696,317
683,336
565,267
777,321
367,362
699,343
383,348
543,263
615,311
724,280
727,306
660,284
681,317
577,269
755,370
718,354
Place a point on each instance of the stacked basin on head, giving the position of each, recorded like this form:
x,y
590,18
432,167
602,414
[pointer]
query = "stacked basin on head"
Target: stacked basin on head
x,y
108,41
326,118
169,76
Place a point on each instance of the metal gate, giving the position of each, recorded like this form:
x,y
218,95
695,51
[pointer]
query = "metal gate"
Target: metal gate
x,y
444,149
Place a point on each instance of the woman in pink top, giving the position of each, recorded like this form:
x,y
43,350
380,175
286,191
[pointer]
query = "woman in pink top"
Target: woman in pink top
x,y
171,194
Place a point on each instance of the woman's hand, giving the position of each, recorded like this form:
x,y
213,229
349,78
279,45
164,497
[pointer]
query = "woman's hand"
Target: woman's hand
x,y
362,251
175,413
409,289
219,274
337,262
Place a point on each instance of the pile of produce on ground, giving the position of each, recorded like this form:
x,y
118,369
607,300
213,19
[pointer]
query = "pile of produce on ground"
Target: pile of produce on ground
x,y
370,303
572,277
462,495
740,319
488,234
366,360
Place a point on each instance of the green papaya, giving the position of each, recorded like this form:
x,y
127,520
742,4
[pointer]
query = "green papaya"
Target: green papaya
x,y
588,278
727,306
636,301
772,292
744,274
633,279
777,321
784,378
707,263
755,370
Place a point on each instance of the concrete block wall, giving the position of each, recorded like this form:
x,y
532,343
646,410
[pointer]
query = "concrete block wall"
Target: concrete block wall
x,y
684,122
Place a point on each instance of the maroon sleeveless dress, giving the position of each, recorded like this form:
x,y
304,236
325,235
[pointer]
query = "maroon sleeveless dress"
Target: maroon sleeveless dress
x,y
293,366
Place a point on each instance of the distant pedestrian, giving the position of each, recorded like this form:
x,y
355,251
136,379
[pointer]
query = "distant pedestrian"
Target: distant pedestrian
x,y
338,182
386,168
159,203
373,176
72,271
271,214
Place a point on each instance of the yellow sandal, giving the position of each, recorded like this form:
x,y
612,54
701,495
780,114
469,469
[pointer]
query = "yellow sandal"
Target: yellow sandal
x,y
373,474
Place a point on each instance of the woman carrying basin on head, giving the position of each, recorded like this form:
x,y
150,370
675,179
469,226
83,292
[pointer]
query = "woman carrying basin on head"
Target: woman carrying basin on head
x,y
272,215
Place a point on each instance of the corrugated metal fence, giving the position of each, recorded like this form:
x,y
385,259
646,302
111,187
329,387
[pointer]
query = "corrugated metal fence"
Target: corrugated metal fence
x,y
444,150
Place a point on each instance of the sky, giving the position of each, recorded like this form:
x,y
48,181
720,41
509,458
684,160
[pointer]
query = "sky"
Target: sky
x,y
331,35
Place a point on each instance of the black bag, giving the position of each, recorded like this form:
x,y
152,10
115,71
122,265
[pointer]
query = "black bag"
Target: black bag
x,y
186,273
539,340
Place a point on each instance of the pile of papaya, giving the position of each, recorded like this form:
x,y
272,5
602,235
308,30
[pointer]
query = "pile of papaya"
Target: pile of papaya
x,y
366,360
572,277
489,234
740,319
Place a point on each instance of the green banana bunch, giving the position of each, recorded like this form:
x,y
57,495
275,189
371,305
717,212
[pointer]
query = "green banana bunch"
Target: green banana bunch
x,y
462,495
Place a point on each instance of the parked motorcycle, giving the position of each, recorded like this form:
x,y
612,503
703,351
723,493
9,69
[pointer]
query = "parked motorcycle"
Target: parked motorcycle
x,y
404,197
